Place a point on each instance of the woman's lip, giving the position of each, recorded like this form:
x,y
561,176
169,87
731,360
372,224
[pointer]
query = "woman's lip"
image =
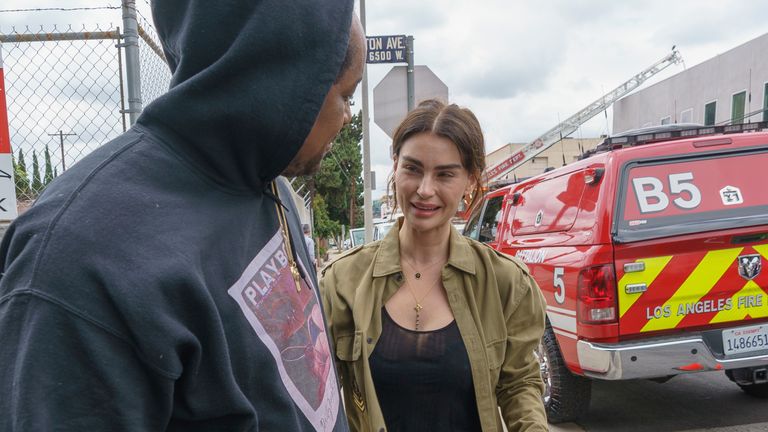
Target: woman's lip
x,y
426,207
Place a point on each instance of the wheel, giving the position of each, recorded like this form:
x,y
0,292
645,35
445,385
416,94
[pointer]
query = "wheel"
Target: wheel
x,y
756,390
566,396
744,379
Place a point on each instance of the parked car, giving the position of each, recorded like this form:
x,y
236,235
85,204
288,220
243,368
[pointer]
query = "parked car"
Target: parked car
x,y
649,254
357,237
381,229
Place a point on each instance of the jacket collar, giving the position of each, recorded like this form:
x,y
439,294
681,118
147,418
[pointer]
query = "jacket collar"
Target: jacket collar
x,y
387,260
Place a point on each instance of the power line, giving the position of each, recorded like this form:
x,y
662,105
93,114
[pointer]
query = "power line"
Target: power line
x,y
338,164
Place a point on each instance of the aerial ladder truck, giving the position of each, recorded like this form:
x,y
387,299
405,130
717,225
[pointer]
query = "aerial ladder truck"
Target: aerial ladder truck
x,y
572,123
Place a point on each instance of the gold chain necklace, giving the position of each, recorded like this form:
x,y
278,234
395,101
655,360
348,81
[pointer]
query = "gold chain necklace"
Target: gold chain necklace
x,y
286,238
417,274
418,307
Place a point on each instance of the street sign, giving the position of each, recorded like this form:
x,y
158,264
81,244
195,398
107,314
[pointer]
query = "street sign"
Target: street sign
x,y
386,49
8,209
390,99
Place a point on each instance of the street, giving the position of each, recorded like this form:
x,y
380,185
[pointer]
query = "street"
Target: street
x,y
706,401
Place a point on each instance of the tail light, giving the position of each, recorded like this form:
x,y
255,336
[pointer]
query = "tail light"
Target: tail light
x,y
597,295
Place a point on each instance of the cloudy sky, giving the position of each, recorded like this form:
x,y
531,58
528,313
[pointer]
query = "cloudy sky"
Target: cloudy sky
x,y
521,66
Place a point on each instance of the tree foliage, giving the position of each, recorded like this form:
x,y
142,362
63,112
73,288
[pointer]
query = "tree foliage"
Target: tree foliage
x,y
37,184
21,177
49,175
340,179
337,188
324,226
26,190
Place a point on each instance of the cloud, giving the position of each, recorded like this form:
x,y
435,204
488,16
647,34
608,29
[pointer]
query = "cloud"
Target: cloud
x,y
521,66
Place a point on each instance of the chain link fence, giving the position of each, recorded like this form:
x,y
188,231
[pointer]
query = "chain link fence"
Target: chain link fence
x,y
66,94
155,75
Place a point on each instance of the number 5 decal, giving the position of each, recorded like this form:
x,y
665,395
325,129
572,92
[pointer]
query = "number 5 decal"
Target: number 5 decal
x,y
679,183
559,285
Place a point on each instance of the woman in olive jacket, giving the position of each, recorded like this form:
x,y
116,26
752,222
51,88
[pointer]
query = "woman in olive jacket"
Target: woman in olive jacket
x,y
432,330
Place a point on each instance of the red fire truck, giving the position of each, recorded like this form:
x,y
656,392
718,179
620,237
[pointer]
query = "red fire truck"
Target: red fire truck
x,y
649,253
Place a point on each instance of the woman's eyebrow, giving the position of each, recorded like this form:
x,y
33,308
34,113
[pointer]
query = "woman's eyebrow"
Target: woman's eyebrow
x,y
440,167
449,167
412,160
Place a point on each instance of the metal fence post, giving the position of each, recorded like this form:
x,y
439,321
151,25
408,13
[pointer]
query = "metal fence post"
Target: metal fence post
x,y
132,67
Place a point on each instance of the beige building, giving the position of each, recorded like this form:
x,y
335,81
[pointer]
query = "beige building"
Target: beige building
x,y
731,87
564,152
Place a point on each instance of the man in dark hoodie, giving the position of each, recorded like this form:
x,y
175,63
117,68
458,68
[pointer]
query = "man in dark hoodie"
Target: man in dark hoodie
x,y
163,283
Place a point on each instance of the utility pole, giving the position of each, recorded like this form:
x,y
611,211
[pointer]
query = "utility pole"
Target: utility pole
x,y
61,136
132,68
410,79
367,199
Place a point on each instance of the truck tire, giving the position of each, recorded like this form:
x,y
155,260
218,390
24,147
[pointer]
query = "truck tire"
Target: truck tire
x,y
566,396
756,390
743,379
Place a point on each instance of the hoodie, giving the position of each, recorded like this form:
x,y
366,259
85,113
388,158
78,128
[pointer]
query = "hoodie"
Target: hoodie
x,y
150,288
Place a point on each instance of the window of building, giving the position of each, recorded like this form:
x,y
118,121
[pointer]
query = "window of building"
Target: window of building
x,y
666,120
737,107
765,103
540,162
710,110
686,116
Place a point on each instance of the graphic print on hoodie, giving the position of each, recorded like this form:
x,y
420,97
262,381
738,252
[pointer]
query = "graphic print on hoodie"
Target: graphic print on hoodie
x,y
290,323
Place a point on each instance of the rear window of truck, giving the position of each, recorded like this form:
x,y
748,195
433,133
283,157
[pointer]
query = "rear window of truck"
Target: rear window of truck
x,y
700,193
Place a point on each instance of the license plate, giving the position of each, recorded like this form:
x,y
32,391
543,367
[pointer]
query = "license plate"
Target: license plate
x,y
745,339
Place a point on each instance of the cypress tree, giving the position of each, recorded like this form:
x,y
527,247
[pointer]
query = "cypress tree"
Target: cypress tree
x,y
21,177
48,168
37,185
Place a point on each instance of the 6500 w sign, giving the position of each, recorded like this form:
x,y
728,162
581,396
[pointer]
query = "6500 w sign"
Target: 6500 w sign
x,y
387,49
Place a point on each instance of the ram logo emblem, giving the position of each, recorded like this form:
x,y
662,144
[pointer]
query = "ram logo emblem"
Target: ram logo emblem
x,y
749,266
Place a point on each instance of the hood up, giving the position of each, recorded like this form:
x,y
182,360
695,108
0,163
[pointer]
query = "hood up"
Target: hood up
x,y
249,78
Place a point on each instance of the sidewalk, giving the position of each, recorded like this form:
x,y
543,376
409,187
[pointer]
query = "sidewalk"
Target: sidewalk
x,y
333,253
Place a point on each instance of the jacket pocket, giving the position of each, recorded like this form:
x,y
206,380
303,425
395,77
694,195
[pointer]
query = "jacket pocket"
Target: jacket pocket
x,y
495,351
348,347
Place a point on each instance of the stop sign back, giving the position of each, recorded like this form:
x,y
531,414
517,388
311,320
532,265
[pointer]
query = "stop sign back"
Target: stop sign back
x,y
390,96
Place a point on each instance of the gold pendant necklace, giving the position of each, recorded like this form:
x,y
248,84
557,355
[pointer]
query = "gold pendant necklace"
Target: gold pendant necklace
x,y
418,307
287,239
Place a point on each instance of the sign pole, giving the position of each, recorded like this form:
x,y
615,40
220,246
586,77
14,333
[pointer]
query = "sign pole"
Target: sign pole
x,y
410,79
367,199
8,209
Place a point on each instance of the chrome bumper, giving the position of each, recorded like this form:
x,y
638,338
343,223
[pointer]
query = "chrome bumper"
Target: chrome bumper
x,y
661,357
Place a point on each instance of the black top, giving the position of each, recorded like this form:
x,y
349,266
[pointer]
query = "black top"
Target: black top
x,y
423,379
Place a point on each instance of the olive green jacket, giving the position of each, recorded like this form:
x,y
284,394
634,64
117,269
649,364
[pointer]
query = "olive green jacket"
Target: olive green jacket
x,y
498,308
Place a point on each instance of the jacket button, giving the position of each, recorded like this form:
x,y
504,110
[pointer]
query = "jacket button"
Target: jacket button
x,y
381,430
369,340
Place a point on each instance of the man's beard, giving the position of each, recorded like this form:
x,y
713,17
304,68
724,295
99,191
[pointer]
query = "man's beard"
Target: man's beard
x,y
297,168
